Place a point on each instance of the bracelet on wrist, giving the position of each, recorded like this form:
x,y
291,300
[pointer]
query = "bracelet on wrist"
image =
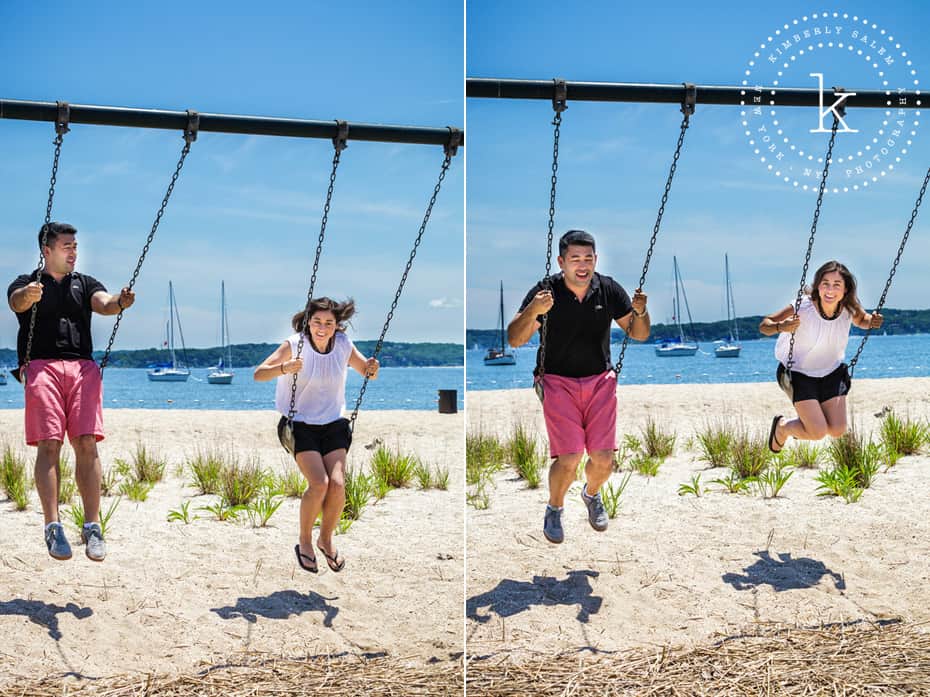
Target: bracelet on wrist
x,y
640,314
281,366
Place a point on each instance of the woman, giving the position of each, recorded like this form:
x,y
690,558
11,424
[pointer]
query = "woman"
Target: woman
x,y
321,434
819,377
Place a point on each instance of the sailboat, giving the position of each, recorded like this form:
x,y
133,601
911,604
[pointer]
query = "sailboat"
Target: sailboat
x,y
2,376
731,347
221,373
670,347
170,372
499,356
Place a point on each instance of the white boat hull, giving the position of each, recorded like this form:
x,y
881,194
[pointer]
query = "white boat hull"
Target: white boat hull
x,y
220,378
672,350
169,375
727,351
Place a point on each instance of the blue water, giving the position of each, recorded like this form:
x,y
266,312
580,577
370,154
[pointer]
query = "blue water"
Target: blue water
x,y
130,388
883,357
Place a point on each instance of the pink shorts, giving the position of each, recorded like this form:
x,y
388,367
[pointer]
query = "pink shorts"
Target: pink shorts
x,y
63,396
581,413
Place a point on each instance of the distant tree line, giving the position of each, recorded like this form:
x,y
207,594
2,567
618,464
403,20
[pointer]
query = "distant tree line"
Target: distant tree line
x,y
393,354
896,322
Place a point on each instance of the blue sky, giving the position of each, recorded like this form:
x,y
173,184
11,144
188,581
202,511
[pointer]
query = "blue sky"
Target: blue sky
x,y
614,157
247,208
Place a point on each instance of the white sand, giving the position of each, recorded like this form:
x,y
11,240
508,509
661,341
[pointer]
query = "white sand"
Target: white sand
x,y
171,597
684,570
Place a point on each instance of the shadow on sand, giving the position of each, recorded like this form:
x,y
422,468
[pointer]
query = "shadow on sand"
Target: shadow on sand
x,y
43,614
280,605
783,573
511,597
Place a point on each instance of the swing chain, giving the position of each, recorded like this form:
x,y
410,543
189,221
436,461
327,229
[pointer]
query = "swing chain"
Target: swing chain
x,y
190,135
447,160
894,270
810,241
340,143
687,109
559,104
61,127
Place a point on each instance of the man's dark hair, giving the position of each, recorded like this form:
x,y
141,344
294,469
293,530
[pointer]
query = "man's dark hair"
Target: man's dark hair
x,y
54,230
575,237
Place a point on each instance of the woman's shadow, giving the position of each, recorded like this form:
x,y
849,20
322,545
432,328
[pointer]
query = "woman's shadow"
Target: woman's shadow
x,y
784,573
511,597
43,614
280,605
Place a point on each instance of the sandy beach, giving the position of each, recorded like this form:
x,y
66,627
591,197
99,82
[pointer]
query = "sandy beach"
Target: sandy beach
x,y
682,571
174,598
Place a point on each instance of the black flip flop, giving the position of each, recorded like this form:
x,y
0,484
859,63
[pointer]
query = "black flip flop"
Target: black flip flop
x,y
332,560
772,437
312,567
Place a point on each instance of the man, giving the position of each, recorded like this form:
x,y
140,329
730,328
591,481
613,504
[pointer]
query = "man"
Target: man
x,y
579,385
63,383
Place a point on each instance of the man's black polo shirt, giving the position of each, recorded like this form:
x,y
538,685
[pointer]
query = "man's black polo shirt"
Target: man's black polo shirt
x,y
578,335
63,319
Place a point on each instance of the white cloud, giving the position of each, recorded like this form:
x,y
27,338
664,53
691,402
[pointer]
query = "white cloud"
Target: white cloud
x,y
445,303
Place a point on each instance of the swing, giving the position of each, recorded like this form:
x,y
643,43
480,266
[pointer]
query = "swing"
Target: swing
x,y
559,105
340,142
894,269
784,378
61,127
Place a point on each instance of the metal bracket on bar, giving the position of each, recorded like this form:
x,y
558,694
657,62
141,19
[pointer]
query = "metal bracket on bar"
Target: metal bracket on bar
x,y
841,107
455,140
193,125
690,100
560,96
341,139
64,117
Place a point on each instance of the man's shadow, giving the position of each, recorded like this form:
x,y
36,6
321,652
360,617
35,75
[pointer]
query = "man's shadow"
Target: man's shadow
x,y
512,597
43,614
280,605
783,574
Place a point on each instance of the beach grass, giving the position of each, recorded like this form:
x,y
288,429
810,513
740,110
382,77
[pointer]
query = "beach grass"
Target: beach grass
x,y
656,441
903,436
14,477
205,466
148,464
715,443
611,495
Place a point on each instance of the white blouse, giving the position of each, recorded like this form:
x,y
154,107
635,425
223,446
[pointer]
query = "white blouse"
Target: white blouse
x,y
321,383
819,344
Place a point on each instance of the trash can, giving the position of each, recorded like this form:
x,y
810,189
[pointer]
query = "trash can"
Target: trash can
x,y
448,401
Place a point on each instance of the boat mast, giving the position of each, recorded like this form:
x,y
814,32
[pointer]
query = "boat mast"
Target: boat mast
x,y
677,307
224,325
732,305
502,317
171,323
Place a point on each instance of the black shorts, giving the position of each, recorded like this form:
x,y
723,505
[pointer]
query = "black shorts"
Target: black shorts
x,y
323,438
835,384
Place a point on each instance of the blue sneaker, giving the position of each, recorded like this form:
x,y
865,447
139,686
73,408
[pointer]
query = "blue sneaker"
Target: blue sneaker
x,y
597,516
94,546
56,542
552,525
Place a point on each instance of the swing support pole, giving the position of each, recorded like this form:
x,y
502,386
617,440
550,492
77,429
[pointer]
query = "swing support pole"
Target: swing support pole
x,y
726,95
223,123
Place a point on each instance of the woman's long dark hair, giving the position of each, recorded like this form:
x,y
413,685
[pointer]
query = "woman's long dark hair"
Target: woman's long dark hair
x,y
850,300
342,311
